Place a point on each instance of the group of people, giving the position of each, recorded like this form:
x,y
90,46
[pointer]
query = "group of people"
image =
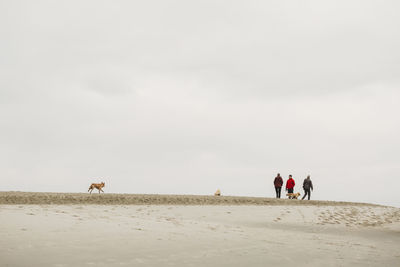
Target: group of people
x,y
278,183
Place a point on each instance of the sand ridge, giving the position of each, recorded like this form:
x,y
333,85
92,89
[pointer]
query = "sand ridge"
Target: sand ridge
x,y
40,198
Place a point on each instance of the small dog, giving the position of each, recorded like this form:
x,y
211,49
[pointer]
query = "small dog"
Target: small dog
x,y
293,195
97,186
217,193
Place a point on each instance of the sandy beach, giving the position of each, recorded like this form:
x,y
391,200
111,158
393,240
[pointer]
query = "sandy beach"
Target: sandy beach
x,y
55,229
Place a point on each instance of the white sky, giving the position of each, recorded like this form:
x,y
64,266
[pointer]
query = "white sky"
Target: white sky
x,y
184,97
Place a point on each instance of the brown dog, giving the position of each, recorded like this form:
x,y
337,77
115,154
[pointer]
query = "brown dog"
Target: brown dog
x,y
293,195
97,186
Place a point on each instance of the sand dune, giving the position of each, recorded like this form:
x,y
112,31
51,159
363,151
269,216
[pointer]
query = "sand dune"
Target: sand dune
x,y
276,233
137,199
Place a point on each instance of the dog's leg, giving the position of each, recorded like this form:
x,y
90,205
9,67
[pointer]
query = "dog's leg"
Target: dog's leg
x,y
101,190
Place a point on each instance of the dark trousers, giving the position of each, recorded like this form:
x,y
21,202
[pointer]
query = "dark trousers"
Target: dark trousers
x,y
307,192
290,190
278,192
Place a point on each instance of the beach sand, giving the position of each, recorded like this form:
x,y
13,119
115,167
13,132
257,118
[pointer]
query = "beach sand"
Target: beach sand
x,y
50,229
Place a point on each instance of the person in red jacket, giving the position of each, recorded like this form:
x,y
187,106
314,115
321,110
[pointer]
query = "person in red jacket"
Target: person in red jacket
x,y
290,184
278,182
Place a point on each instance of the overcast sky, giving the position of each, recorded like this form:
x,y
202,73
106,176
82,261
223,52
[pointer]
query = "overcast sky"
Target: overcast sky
x,y
184,97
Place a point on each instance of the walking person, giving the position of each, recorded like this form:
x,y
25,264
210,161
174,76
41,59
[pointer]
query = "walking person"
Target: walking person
x,y
278,182
307,186
290,184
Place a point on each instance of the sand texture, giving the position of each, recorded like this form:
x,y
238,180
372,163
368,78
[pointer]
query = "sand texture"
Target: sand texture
x,y
288,234
136,199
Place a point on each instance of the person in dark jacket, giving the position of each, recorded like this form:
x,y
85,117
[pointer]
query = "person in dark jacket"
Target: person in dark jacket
x,y
290,184
307,186
278,182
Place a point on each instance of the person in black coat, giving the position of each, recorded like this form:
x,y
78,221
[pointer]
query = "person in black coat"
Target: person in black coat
x,y
307,186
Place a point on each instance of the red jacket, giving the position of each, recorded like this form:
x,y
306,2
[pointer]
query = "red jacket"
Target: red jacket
x,y
290,183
